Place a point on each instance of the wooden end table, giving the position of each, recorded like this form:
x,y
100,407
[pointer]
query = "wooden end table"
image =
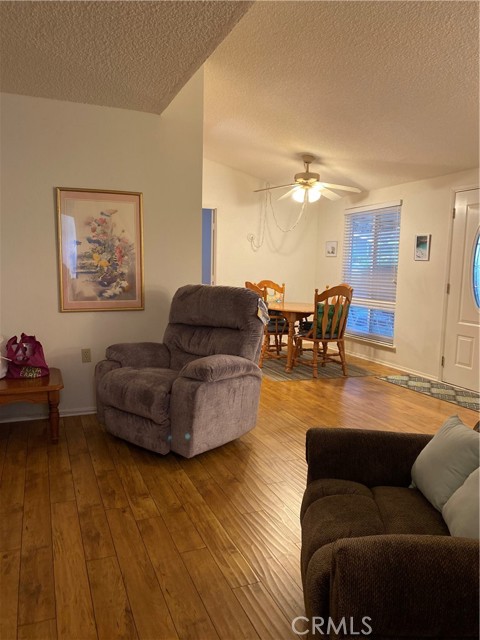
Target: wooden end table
x,y
37,390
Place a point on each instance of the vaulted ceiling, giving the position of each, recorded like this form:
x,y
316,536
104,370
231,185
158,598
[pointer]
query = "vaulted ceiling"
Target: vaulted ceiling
x,y
381,92
132,55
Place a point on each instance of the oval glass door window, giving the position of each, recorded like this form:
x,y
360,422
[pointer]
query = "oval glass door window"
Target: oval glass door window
x,y
476,270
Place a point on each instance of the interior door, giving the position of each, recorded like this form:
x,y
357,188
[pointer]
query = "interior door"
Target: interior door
x,y
461,352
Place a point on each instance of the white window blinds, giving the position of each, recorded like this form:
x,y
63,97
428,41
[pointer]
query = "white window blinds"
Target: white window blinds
x,y
370,267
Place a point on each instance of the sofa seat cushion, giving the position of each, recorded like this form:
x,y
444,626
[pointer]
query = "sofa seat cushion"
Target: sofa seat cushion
x,y
407,511
338,516
144,392
333,509
331,487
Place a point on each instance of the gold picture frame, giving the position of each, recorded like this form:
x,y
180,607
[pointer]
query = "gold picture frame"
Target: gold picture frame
x,y
100,249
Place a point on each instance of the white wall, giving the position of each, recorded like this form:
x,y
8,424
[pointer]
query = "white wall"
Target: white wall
x,y
47,143
283,257
421,290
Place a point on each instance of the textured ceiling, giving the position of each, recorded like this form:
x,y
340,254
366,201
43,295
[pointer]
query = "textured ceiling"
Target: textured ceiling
x,y
134,55
382,92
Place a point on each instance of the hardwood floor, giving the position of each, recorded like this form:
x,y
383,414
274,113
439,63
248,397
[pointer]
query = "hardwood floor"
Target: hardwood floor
x,y
101,539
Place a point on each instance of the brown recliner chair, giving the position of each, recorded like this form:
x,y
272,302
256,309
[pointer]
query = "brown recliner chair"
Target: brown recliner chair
x,y
196,390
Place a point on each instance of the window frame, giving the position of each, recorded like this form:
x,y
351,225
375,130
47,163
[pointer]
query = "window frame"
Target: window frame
x,y
367,279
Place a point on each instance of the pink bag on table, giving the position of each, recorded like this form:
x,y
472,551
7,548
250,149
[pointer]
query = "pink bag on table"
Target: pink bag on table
x,y
26,359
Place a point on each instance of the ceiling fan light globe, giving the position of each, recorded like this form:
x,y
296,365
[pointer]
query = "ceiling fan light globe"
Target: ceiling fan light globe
x,y
314,195
299,195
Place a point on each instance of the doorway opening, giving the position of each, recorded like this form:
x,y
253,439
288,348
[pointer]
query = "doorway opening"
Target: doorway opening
x,y
209,220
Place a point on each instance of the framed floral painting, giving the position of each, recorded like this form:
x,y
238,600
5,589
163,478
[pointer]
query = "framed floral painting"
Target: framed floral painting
x,y
100,250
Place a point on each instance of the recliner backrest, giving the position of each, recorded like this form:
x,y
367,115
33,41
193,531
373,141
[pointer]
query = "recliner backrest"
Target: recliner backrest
x,y
207,320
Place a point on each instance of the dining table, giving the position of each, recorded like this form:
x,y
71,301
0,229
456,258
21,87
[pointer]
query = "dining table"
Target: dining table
x,y
293,312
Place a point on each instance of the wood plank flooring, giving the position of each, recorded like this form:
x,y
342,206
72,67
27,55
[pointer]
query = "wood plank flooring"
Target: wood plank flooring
x,y
101,539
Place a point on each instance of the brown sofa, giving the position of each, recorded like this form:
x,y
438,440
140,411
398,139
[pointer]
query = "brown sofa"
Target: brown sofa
x,y
196,390
377,559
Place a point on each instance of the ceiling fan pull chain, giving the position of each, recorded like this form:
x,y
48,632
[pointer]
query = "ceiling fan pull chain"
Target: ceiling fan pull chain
x,y
263,220
303,207
256,245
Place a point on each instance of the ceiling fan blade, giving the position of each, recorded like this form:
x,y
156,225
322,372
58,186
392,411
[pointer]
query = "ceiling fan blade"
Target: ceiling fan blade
x,y
289,193
340,186
280,186
329,194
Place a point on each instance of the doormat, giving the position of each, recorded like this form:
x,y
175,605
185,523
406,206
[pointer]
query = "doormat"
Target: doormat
x,y
439,390
275,370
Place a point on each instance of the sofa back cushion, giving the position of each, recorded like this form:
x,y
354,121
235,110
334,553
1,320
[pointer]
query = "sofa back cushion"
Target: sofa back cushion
x,y
207,320
446,462
461,511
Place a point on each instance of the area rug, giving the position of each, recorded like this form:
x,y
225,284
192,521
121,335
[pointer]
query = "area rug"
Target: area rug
x,y
440,390
275,370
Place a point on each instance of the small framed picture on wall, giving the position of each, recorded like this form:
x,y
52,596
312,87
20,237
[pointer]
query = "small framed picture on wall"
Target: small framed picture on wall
x,y
422,247
331,248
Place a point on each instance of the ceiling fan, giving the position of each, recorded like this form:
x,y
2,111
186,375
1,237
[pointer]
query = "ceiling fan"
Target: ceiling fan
x,y
308,187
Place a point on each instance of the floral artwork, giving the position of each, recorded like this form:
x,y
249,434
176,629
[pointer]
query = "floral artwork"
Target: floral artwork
x,y
108,256
100,250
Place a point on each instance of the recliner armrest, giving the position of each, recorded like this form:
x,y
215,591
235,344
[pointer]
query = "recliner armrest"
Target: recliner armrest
x,y
370,457
408,585
140,354
104,366
219,367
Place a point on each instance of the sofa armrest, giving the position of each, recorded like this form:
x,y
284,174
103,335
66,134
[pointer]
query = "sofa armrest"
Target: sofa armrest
x,y
219,367
408,585
140,354
369,457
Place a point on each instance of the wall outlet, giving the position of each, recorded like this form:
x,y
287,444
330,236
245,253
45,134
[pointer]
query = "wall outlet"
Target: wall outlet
x,y
86,355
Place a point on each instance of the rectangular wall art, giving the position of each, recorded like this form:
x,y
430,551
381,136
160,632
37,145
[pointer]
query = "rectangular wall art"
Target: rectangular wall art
x,y
331,248
100,250
422,247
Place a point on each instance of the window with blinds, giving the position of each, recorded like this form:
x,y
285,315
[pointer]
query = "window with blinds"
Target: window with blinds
x,y
370,266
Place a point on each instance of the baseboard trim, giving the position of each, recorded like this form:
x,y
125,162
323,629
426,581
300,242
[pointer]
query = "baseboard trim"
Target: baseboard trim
x,y
78,412
412,372
44,415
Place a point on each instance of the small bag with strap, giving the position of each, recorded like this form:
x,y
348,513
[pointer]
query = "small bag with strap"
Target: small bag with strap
x,y
26,359
3,359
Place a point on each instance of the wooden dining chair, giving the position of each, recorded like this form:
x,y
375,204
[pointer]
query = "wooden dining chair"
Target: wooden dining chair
x,y
329,324
254,287
278,326
275,292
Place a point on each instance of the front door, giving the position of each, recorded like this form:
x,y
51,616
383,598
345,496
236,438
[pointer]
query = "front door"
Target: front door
x,y
462,332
